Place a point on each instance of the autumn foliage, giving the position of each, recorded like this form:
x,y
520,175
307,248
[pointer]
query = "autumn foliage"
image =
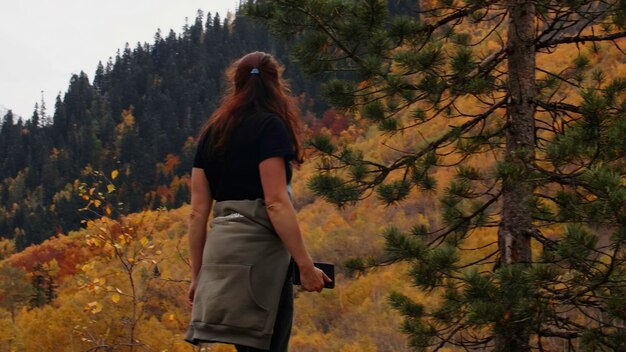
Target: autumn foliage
x,y
124,273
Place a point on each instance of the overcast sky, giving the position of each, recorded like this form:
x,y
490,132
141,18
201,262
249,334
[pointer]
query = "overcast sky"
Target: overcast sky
x,y
42,42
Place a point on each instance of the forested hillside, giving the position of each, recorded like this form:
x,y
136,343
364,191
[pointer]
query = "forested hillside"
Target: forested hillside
x,y
139,114
77,287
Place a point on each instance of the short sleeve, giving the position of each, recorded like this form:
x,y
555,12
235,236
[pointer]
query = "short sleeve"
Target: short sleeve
x,y
275,140
200,158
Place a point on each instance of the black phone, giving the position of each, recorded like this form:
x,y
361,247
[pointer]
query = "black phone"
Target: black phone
x,y
327,268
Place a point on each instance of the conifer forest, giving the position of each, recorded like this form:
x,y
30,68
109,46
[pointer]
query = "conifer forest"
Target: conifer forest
x,y
465,171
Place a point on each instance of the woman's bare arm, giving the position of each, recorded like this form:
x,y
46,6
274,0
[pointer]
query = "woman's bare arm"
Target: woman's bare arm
x,y
283,217
201,203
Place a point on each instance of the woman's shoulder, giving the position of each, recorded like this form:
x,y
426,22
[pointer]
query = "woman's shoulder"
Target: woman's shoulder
x,y
262,121
267,117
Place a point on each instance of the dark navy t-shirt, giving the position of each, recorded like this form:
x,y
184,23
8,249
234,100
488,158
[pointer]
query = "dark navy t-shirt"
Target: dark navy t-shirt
x,y
234,173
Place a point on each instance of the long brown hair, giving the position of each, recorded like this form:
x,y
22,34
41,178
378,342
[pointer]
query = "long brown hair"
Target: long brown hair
x,y
250,91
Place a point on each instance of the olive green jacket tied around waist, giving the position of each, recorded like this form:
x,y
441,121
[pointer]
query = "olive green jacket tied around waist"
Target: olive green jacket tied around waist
x,y
244,267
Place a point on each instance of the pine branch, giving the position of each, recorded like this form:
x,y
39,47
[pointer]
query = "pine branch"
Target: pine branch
x,y
546,242
429,29
558,106
448,339
326,29
466,219
407,160
560,76
564,334
580,39
482,260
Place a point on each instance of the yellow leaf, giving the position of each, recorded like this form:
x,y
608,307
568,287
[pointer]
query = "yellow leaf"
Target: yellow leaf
x,y
114,174
94,307
91,191
172,317
115,298
107,210
144,241
97,203
97,308
131,260
110,188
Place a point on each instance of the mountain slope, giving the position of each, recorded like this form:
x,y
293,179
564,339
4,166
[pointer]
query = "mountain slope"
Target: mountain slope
x,y
139,114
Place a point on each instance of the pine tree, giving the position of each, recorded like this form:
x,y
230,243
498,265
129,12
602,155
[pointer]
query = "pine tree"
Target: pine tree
x,y
98,80
46,120
488,77
9,144
39,282
34,119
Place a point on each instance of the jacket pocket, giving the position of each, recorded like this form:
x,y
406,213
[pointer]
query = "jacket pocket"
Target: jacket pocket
x,y
224,297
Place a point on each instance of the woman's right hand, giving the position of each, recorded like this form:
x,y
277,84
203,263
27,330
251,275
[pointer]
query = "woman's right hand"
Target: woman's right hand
x,y
312,278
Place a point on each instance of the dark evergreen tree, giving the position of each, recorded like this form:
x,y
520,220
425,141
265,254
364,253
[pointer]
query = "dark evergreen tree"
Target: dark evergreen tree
x,y
9,141
558,164
45,119
181,196
98,80
34,119
44,287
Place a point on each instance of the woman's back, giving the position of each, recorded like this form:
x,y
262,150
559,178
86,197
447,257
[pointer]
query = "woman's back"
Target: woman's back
x,y
233,174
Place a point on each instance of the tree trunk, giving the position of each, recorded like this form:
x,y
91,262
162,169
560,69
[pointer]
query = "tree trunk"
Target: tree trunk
x,y
516,223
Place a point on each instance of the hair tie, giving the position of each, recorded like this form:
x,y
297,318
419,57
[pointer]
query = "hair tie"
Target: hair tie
x,y
255,71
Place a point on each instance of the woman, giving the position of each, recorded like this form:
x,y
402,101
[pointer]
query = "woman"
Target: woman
x,y
241,290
